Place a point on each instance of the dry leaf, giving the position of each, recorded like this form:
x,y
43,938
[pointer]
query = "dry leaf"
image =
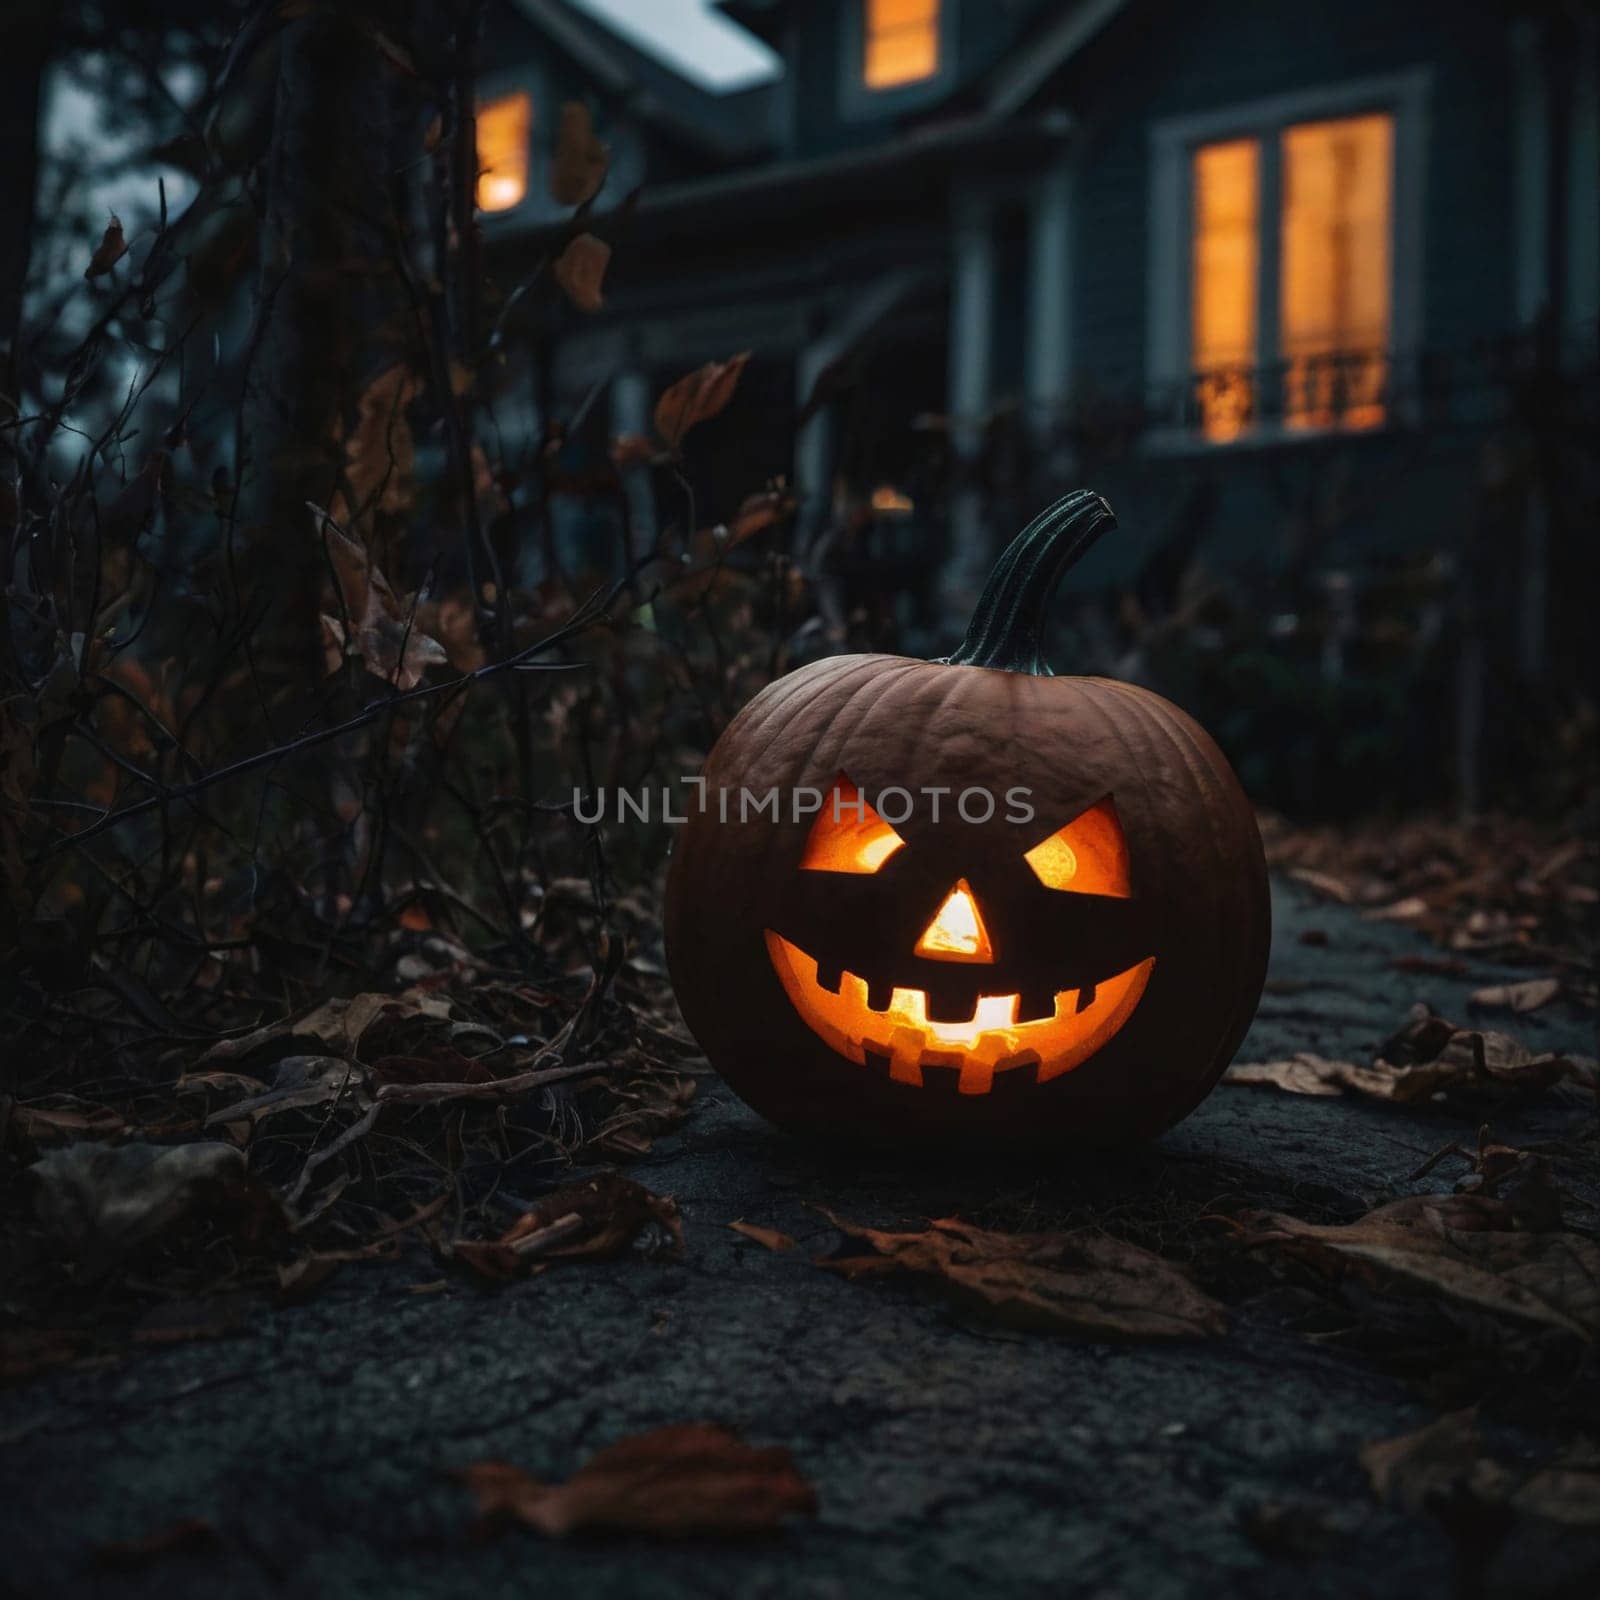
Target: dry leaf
x,y
384,631
768,1237
602,1217
381,454
1431,1466
691,1480
298,1083
580,268
578,167
1081,1282
336,1025
109,251
50,1122
1528,995
696,397
1407,910
1429,1055
1463,1248
1444,1462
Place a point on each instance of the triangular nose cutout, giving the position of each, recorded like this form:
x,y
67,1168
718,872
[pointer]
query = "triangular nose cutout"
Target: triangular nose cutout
x,y
957,933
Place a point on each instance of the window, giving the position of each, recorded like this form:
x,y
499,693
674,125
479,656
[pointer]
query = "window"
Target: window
x,y
1334,296
503,128
901,40
1222,315
1332,252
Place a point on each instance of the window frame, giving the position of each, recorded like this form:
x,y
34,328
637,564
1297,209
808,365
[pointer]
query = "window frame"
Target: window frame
x,y
858,102
1170,229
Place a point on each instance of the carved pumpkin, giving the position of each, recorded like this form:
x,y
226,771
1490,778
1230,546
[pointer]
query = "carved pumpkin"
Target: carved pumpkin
x,y
959,973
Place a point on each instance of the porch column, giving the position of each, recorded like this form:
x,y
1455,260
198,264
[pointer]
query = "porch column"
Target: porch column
x,y
630,414
972,286
1583,195
1047,336
813,446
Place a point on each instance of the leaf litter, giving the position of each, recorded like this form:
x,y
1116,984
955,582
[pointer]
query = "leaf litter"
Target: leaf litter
x,y
687,1480
1429,1057
1081,1282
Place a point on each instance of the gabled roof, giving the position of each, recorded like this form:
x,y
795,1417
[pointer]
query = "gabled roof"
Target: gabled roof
x,y
724,125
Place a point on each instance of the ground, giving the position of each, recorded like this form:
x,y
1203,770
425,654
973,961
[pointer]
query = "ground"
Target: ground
x,y
947,1457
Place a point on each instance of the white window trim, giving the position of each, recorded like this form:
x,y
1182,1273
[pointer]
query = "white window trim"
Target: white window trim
x,y
858,103
1167,281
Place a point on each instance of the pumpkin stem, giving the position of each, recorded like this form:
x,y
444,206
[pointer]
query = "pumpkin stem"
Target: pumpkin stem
x,y
1007,627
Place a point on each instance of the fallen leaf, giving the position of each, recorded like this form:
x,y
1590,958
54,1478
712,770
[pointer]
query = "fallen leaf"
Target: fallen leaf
x,y
769,1237
1528,995
1427,1056
299,1083
1418,1470
50,1122
580,268
697,397
1462,1248
126,1555
1446,1462
647,1105
1406,910
603,1217
578,167
336,1025
109,251
1082,1282
1567,1490
690,1480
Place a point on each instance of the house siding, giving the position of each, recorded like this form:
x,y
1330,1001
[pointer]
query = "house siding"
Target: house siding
x,y
1168,61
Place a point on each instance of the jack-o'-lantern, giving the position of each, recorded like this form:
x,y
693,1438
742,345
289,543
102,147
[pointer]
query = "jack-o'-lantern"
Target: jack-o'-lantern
x,y
968,900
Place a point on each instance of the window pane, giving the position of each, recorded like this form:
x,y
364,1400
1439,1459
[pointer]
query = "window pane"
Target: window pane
x,y
1223,311
902,41
503,151
1334,296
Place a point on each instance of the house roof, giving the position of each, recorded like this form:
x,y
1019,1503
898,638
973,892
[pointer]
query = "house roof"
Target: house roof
x,y
725,125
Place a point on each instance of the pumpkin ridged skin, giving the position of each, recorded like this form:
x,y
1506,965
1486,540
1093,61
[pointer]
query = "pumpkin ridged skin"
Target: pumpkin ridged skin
x,y
990,717
1199,878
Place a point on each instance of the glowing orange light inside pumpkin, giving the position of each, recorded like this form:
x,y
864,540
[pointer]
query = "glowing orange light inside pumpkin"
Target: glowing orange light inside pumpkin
x,y
848,835
957,933
1088,856
990,1041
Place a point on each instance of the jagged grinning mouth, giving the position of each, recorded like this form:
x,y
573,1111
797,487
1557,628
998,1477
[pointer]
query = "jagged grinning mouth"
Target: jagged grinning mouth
x,y
990,1041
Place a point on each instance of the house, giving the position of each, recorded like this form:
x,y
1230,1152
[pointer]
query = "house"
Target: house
x,y
1312,292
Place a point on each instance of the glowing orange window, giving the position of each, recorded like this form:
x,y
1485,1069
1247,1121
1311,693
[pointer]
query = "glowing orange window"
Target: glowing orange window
x,y
902,42
1338,202
503,129
1227,186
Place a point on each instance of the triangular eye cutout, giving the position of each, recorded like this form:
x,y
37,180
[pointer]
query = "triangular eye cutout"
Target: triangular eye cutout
x,y
848,835
957,933
1088,856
